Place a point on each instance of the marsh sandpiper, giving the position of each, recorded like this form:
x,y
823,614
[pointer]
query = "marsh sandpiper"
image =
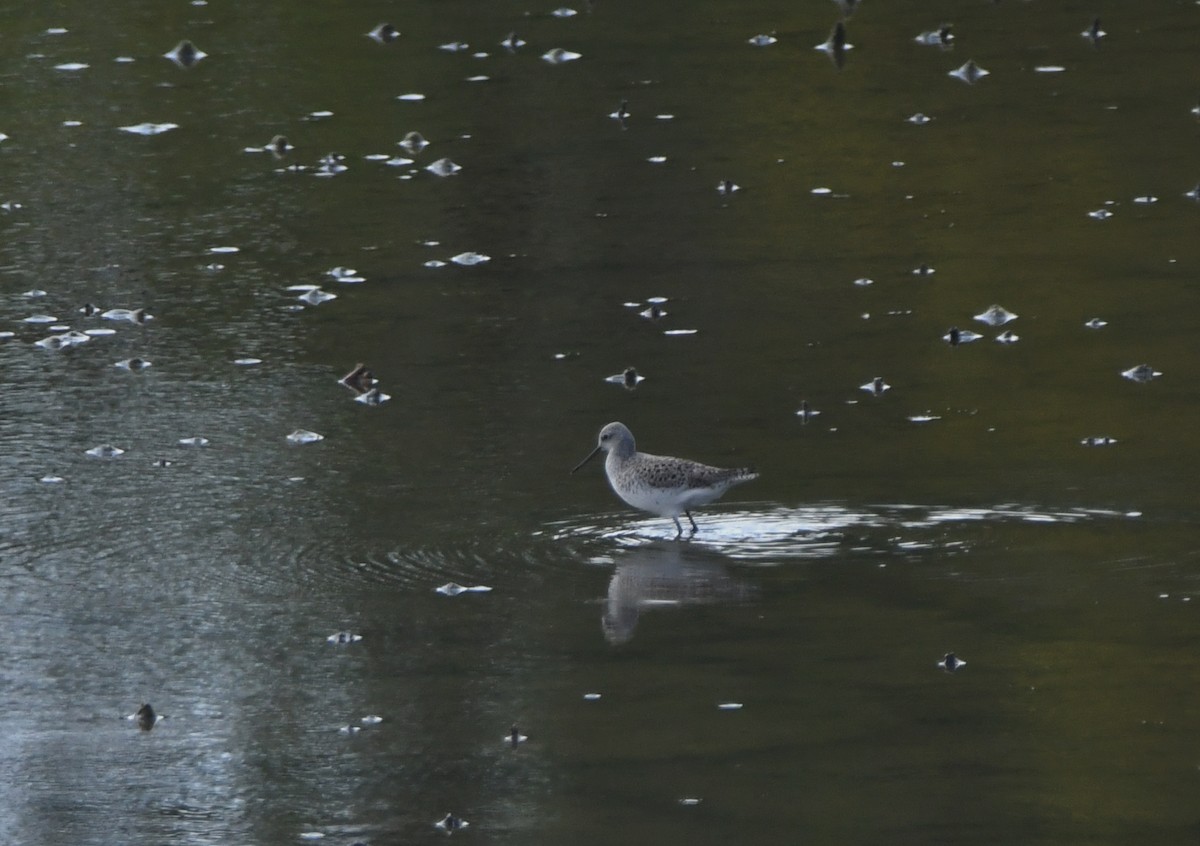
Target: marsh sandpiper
x,y
661,484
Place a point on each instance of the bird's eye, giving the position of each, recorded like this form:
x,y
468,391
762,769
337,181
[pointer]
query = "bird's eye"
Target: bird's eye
x,y
605,436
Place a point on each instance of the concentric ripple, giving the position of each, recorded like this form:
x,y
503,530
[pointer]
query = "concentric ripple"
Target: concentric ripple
x,y
819,531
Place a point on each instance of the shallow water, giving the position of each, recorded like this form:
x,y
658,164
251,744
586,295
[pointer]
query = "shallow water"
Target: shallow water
x,y
968,508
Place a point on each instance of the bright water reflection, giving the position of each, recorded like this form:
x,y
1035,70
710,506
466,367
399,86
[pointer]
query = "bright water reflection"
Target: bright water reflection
x,y
489,218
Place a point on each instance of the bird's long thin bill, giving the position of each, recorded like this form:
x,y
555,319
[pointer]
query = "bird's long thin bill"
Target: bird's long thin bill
x,y
591,455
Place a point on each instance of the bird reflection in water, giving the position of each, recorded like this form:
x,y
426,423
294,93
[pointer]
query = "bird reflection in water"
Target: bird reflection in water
x,y
666,576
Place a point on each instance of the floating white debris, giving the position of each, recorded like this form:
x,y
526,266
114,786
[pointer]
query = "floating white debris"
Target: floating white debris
x,y
763,40
133,364
478,78
344,637
1100,214
319,114
317,296
72,66
558,56
1146,200
222,250
995,315
443,167
680,331
1141,373
52,480
185,54
1098,440
433,263
194,442
303,436
1094,33
689,801
373,396
940,37
347,275
729,706
414,142
591,697
821,192
835,46
455,46
454,589
385,33
40,318
470,259
1096,323
105,451
629,378
331,164
371,720
451,823
919,119
969,73
1007,337
347,730
99,332
145,717
149,128
863,282
657,159
958,336
58,342
876,387
34,294
278,146
1049,69
923,418
56,30
564,12
247,362
951,662
411,97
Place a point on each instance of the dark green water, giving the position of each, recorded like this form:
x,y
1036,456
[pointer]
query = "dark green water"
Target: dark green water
x,y
820,597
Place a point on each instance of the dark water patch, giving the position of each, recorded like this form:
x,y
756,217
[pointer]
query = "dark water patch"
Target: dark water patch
x,y
474,565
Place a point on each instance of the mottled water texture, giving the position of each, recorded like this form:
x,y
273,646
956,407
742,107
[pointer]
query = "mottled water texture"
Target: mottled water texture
x,y
509,224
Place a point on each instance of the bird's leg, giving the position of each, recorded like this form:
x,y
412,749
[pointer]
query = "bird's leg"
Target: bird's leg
x,y
678,528
695,528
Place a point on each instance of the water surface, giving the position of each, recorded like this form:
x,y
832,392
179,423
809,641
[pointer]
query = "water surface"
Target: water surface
x,y
960,510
